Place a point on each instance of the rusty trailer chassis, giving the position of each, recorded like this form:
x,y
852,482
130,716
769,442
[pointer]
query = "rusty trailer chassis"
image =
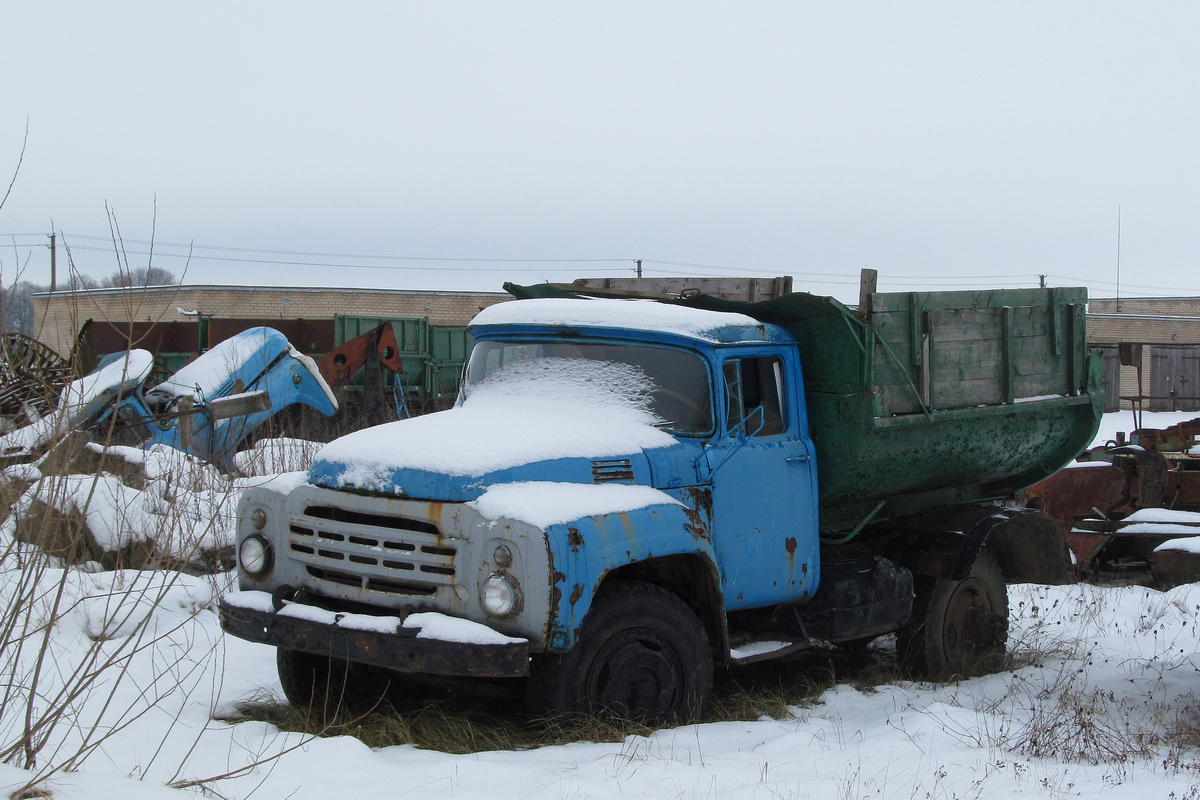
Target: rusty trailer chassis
x,y
1148,469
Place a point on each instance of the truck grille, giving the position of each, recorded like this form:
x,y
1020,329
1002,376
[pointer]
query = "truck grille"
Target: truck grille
x,y
377,552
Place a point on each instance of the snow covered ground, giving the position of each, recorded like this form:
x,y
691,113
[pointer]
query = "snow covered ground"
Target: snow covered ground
x,y
1104,705
1101,702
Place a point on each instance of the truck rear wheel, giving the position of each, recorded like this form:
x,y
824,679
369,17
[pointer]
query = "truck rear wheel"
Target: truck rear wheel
x,y
641,654
958,628
329,684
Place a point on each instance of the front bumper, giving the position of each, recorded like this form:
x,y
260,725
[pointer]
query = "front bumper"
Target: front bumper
x,y
400,651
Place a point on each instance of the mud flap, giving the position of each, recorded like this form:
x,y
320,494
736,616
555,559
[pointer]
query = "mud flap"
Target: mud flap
x,y
1031,547
1028,544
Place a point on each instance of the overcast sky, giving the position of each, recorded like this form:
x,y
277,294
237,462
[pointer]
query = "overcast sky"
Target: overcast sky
x,y
946,145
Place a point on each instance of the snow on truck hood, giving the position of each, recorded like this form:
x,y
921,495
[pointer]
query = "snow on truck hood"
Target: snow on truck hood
x,y
541,413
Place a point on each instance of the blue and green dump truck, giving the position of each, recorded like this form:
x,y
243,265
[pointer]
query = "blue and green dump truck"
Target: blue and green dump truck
x,y
631,494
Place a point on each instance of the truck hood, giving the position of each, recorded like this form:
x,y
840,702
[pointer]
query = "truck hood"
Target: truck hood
x,y
454,455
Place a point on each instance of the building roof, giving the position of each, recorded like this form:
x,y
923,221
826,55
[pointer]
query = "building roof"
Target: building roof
x,y
282,289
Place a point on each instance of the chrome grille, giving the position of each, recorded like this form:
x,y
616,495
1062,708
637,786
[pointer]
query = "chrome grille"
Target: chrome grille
x,y
396,555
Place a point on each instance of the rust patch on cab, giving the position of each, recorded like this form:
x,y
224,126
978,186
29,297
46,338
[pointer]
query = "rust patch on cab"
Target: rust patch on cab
x,y
575,539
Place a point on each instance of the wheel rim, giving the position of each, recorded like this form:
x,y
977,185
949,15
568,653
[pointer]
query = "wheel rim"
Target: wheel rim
x,y
637,674
967,633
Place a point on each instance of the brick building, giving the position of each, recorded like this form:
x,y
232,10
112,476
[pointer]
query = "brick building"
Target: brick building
x,y
1162,335
58,316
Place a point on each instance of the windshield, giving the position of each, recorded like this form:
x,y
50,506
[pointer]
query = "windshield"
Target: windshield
x,y
672,383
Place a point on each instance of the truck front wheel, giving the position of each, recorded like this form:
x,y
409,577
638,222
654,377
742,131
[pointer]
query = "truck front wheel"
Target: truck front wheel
x,y
958,628
641,654
329,684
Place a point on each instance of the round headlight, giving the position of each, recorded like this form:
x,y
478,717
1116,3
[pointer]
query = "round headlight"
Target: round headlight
x,y
255,555
500,596
258,518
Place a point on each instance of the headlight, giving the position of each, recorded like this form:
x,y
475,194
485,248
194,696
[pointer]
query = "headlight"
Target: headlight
x,y
258,518
501,596
255,555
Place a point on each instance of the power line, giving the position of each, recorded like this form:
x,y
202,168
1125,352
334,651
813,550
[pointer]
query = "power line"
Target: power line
x,y
663,266
261,251
282,263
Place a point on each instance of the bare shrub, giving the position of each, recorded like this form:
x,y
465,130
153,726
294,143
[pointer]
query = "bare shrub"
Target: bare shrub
x,y
60,702
1094,726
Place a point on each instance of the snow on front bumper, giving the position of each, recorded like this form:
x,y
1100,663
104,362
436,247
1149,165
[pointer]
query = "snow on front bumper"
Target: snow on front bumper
x,y
426,642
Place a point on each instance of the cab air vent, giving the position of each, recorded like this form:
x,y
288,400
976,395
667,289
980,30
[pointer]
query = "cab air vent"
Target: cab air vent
x,y
614,471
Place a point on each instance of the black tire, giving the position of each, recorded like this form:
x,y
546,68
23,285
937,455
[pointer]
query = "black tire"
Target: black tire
x,y
319,682
641,654
958,628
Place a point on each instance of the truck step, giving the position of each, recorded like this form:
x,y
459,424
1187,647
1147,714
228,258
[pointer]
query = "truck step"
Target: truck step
x,y
748,650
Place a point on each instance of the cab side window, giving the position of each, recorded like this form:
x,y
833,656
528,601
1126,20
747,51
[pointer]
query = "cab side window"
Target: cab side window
x,y
754,395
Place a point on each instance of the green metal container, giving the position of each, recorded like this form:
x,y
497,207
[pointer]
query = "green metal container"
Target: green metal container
x,y
432,357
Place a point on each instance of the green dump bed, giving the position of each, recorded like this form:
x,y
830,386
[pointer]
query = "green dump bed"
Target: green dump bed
x,y
929,399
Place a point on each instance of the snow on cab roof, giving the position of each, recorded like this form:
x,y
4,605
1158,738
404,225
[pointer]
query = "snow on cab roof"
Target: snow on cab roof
x,y
639,315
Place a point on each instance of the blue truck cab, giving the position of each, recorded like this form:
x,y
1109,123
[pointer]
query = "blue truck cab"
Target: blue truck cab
x,y
624,499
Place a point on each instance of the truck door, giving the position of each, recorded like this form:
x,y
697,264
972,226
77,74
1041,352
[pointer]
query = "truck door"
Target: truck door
x,y
764,484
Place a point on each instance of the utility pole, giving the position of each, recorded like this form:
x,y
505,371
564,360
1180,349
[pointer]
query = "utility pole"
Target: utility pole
x,y
1042,281
53,261
639,268
1118,258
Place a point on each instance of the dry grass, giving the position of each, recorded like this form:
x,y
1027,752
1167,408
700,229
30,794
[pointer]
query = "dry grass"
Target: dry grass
x,y
456,723
454,726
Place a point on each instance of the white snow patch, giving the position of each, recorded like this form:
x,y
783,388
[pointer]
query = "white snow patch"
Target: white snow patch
x,y
369,622
130,370
1038,398
22,472
251,600
358,622
307,612
752,649
132,455
1190,544
544,503
1160,528
1163,515
641,315
1083,464
445,628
